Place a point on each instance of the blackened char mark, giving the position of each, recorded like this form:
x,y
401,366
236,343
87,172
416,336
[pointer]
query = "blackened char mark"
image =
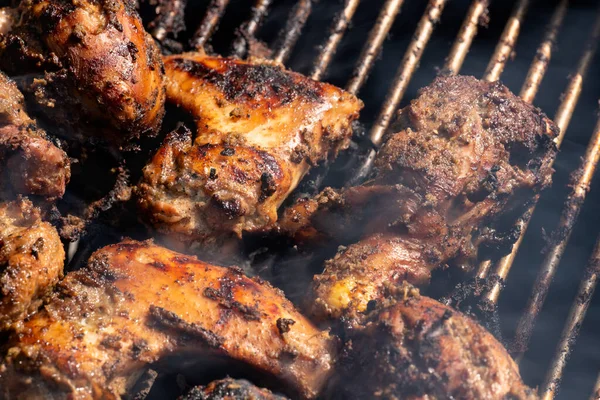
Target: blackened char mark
x,y
224,297
161,318
254,83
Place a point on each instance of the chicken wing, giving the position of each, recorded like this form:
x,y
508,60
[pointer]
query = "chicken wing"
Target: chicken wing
x,y
137,303
419,349
230,389
101,73
30,163
259,130
462,155
31,261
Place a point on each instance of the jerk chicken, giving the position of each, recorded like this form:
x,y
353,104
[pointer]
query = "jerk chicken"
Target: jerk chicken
x,y
96,71
230,389
31,261
462,154
30,163
137,303
416,348
259,130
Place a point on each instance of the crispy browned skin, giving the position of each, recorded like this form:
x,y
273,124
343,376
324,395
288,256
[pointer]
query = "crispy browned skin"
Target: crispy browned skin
x,y
30,163
137,303
103,72
230,389
31,261
461,156
419,349
259,130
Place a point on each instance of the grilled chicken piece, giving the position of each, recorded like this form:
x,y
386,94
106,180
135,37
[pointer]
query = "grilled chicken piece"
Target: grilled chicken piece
x,y
259,130
137,303
417,348
462,155
230,389
356,274
102,73
30,163
31,261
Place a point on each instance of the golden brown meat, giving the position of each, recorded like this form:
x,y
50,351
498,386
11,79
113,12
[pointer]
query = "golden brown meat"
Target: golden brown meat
x,y
355,276
30,163
102,73
230,389
31,261
419,349
461,156
137,303
259,130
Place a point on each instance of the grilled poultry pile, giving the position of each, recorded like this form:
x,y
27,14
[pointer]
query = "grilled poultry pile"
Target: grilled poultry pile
x,y
461,158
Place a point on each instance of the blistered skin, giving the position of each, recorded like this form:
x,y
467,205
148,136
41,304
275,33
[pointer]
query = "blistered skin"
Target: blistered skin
x,y
103,72
31,261
137,303
419,349
259,130
230,389
30,163
463,155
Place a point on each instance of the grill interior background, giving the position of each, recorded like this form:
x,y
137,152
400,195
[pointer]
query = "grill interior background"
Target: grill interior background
x,y
507,33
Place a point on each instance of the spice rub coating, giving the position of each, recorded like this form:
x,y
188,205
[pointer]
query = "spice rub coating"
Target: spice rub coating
x,y
137,303
30,163
99,72
31,261
416,348
462,156
259,130
230,389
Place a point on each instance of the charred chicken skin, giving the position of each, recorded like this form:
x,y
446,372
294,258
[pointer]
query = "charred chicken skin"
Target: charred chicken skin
x,y
30,163
416,348
259,130
31,261
230,389
97,66
137,303
462,154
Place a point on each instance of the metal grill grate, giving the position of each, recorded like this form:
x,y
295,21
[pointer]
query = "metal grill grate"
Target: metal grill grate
x,y
477,12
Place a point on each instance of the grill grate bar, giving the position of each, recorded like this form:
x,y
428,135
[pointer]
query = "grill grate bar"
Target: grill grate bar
x,y
209,24
571,330
543,55
249,28
582,178
338,29
292,30
562,119
373,46
403,76
468,30
507,42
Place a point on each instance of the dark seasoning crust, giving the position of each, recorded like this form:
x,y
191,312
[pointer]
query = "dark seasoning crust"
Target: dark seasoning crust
x,y
86,69
260,129
254,84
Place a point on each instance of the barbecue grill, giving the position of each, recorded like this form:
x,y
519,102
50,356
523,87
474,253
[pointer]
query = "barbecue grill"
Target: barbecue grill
x,y
542,38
